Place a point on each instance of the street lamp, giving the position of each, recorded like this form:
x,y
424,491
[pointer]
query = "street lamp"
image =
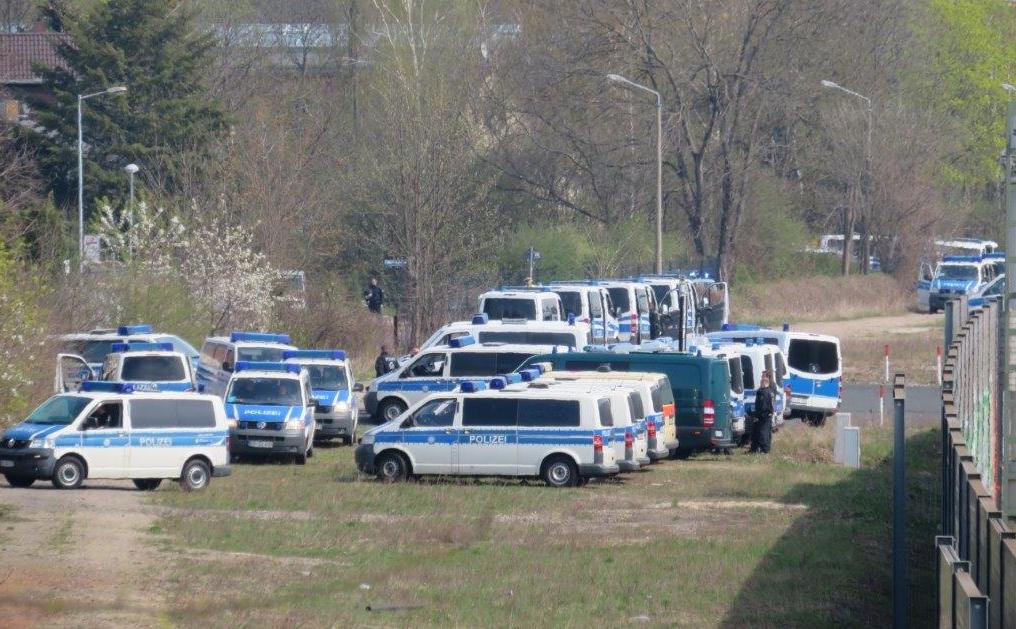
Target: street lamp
x,y
81,175
867,160
131,169
617,78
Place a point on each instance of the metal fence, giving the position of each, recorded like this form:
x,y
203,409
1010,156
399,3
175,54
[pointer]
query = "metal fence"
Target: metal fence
x,y
977,550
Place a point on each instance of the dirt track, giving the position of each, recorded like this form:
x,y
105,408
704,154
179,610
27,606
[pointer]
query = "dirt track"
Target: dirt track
x,y
79,558
876,327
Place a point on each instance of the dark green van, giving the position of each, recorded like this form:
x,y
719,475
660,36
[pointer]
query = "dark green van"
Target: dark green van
x,y
701,388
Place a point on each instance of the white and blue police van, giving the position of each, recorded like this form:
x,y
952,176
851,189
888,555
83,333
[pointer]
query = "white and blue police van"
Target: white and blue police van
x,y
270,410
513,332
110,430
149,367
334,390
220,354
741,400
671,291
483,429
631,309
590,305
522,302
954,276
994,289
814,367
443,368
94,345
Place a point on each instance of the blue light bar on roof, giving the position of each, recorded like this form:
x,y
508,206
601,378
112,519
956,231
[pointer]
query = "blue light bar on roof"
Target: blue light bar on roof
x,y
99,386
140,328
320,354
749,342
461,341
141,347
530,374
961,258
472,386
254,365
260,337
498,383
480,318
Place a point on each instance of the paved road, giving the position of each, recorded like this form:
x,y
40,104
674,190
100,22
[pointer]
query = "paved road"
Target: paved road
x,y
861,400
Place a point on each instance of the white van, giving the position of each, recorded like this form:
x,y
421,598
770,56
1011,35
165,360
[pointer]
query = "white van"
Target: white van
x,y
561,436
331,380
95,344
513,332
631,308
149,366
591,305
531,304
270,409
442,368
107,430
219,355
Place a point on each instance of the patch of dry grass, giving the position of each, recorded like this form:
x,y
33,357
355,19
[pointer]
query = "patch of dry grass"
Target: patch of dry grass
x,y
820,298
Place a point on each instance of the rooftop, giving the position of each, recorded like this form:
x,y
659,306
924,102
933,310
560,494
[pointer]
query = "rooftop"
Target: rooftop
x,y
20,51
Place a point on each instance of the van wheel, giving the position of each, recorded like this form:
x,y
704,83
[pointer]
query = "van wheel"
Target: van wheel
x,y
390,409
195,475
560,471
391,467
19,481
68,473
147,484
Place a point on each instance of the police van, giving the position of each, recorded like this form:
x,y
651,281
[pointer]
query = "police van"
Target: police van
x,y
270,409
220,354
148,366
110,430
94,345
814,367
564,437
954,276
734,355
657,401
631,309
514,332
442,368
591,305
671,292
529,304
333,387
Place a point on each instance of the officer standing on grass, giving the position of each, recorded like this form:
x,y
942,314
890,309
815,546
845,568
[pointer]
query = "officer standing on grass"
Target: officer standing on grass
x,y
374,297
382,364
762,428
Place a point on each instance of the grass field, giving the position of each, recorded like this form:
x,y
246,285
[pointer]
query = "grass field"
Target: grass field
x,y
738,541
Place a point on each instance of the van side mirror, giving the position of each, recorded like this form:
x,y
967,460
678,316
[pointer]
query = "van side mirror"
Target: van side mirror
x,y
358,387
227,366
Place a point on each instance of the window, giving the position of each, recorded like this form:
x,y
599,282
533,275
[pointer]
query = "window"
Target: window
x,y
620,298
208,355
957,272
595,307
473,364
426,366
550,311
519,337
265,391
327,377
508,362
781,368
219,355
736,377
556,413
109,368
662,292
748,372
662,395
108,415
635,406
93,351
153,369
435,414
59,410
150,414
509,308
818,357
590,365
260,354
572,302
769,364
606,417
495,411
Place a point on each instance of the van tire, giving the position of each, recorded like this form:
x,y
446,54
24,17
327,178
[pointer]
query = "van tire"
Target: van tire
x,y
390,409
560,471
19,481
68,473
391,467
195,475
147,484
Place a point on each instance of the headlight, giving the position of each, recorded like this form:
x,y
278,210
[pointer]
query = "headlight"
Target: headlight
x,y
232,423
294,424
367,439
341,406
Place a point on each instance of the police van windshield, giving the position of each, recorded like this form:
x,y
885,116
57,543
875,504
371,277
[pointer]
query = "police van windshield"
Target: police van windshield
x,y
818,357
260,354
957,272
519,337
265,391
509,308
61,409
327,377
572,302
620,298
152,369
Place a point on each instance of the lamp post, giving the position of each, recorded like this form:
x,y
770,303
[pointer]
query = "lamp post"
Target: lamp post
x,y
131,169
659,162
81,174
867,164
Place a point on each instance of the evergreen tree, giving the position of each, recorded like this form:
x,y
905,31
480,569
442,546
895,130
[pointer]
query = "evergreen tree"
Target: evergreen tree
x,y
166,118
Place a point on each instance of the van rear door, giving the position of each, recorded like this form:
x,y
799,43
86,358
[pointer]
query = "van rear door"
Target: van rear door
x,y
71,370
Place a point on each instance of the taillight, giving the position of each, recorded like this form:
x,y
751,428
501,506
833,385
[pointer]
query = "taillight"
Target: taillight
x,y
597,443
708,414
634,322
629,440
669,410
652,429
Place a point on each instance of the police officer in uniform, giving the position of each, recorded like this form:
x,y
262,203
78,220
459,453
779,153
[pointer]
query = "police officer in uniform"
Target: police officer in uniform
x,y
762,428
374,296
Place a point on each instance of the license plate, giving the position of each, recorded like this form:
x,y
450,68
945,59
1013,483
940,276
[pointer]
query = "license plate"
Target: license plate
x,y
6,463
259,444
